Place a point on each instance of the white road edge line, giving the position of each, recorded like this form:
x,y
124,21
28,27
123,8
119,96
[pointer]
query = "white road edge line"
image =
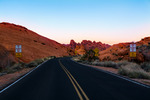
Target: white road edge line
x,y
21,77
146,86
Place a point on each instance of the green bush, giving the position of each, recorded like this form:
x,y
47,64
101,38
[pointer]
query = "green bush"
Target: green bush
x,y
133,70
119,58
89,56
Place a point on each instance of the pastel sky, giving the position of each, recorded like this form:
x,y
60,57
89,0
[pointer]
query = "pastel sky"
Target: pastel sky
x,y
108,21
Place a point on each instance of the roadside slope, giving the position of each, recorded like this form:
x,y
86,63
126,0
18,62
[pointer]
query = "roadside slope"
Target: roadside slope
x,y
121,51
34,46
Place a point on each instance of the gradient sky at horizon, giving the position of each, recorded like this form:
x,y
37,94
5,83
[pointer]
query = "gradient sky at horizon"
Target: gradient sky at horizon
x,y
108,21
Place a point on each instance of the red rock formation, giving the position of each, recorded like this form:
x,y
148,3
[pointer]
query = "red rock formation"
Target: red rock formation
x,y
86,45
121,51
73,44
6,59
34,46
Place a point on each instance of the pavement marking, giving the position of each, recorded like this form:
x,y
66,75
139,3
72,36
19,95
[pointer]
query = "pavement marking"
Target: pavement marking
x,y
78,85
81,98
21,78
132,81
72,79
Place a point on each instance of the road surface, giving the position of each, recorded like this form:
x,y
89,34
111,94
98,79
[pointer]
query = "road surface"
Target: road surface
x,y
64,79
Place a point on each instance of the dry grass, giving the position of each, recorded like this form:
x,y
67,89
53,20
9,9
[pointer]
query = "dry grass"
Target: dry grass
x,y
105,64
14,72
9,78
19,66
125,68
133,70
146,66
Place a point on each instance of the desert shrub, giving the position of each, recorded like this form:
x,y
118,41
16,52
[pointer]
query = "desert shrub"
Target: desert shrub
x,y
140,51
123,63
89,56
14,68
38,61
115,54
31,64
83,57
146,66
119,58
35,63
19,66
105,64
133,70
51,57
108,57
1,69
87,62
148,46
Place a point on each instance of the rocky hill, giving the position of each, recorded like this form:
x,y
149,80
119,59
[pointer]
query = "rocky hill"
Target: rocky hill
x,y
34,46
86,45
121,51
6,58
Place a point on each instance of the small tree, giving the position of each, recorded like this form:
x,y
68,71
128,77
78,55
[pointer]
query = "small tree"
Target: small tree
x,y
90,56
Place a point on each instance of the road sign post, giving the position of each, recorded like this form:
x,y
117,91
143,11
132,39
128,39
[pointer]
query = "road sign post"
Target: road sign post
x,y
132,50
96,50
18,51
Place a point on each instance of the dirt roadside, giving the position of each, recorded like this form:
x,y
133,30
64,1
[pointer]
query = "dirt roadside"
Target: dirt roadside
x,y
7,79
115,71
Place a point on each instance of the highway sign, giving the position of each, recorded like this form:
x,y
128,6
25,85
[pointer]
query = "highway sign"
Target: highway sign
x,y
18,55
132,54
18,50
132,47
96,54
133,50
96,50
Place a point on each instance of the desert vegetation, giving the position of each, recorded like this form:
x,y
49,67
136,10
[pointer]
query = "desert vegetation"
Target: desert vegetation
x,y
17,70
133,70
89,56
21,65
125,68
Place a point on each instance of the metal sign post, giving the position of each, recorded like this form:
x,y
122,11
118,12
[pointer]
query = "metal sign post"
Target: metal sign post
x,y
96,50
18,51
133,50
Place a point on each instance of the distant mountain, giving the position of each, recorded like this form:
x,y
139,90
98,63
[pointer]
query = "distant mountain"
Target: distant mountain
x,y
121,51
34,46
86,45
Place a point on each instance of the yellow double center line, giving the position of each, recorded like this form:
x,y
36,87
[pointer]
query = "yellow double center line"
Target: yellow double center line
x,y
74,83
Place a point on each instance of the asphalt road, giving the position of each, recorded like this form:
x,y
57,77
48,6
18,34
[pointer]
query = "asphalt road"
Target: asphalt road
x,y
64,79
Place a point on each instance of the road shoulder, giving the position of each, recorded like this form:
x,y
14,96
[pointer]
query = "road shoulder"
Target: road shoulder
x,y
115,71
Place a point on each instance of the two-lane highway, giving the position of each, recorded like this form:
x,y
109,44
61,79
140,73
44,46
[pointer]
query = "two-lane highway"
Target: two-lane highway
x,y
64,79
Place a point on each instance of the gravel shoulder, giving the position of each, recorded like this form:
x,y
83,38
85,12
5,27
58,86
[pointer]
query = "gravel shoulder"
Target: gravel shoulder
x,y
7,79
